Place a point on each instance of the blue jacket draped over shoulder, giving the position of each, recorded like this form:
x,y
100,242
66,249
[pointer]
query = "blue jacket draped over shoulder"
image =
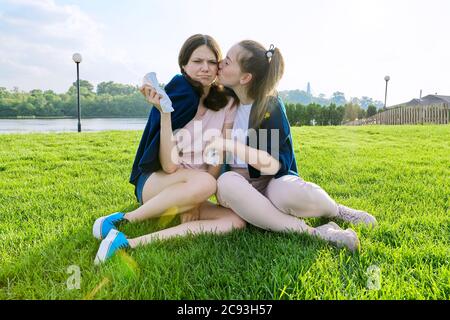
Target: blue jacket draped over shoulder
x,y
275,118
185,104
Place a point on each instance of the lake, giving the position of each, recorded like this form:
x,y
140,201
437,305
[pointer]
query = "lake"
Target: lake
x,y
70,125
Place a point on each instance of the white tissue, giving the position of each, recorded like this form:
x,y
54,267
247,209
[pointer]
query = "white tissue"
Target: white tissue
x,y
166,104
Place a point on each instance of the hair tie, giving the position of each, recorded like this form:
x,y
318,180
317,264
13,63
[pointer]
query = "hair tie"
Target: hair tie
x,y
269,53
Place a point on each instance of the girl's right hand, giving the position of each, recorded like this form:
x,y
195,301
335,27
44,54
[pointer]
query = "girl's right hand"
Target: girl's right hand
x,y
151,95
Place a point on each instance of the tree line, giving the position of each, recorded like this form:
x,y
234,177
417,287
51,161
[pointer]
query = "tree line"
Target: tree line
x,y
331,115
118,100
337,98
109,100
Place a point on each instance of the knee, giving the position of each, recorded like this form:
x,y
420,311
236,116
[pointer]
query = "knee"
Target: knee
x,y
281,194
207,186
222,186
226,183
204,186
300,196
290,192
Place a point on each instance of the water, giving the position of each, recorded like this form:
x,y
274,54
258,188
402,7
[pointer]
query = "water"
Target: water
x,y
70,125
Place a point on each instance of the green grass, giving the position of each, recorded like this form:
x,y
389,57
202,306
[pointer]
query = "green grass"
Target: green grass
x,y
53,187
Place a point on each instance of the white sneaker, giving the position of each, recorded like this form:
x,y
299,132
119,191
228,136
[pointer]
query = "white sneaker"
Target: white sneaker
x,y
355,216
342,238
114,241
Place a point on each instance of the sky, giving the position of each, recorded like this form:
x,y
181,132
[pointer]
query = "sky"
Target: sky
x,y
345,45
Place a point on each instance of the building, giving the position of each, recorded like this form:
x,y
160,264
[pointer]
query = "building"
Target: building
x,y
431,99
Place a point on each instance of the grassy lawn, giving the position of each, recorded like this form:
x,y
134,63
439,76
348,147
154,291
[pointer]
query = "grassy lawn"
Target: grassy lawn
x,y
53,187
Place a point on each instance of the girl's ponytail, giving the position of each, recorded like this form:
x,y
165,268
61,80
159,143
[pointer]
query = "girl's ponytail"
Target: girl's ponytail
x,y
267,68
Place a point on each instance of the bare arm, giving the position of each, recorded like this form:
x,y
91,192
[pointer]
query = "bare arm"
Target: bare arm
x,y
258,159
168,155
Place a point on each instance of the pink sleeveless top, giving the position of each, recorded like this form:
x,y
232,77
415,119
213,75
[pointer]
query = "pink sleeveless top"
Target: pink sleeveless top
x,y
195,136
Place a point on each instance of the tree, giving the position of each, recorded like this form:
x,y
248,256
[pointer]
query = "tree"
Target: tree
x,y
3,93
321,99
336,114
362,114
115,88
371,110
296,96
84,84
365,102
340,115
355,100
36,92
338,98
351,112
26,109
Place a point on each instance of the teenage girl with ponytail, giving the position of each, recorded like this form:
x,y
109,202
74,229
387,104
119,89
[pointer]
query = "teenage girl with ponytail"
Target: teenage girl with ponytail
x,y
262,185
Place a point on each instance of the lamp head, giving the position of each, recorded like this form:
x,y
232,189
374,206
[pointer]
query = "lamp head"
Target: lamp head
x,y
77,58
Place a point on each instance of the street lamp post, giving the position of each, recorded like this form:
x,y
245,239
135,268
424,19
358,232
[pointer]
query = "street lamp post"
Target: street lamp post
x,y
77,59
387,78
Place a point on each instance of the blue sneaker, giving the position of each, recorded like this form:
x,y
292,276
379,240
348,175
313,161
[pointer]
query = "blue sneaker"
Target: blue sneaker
x,y
115,240
103,225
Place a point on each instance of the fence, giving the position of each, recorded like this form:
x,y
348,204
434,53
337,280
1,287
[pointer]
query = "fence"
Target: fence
x,y
433,114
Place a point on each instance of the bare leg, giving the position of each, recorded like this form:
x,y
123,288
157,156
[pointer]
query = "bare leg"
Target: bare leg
x,y
236,193
214,219
299,198
304,199
176,192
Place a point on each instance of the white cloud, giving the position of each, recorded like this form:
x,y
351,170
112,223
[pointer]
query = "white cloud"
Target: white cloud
x,y
38,39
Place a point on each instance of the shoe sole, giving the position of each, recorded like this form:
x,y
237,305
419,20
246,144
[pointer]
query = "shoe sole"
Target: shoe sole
x,y
104,247
97,228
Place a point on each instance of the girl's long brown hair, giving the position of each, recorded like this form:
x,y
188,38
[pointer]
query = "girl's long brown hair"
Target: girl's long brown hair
x,y
266,73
